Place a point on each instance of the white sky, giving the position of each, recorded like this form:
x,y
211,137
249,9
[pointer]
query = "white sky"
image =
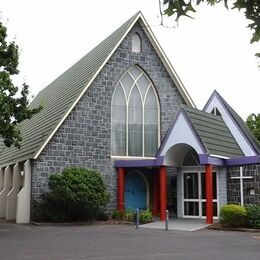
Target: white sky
x,y
209,52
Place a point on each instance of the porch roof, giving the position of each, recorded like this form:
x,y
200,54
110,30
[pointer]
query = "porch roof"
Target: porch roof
x,y
204,159
214,133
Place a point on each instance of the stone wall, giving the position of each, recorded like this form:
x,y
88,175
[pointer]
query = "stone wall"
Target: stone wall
x,y
84,137
233,185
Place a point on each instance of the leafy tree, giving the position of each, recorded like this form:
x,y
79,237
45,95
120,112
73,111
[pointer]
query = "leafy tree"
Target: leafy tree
x,y
253,122
251,9
13,105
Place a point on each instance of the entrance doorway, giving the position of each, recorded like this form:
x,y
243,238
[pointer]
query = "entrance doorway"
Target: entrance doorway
x,y
194,194
136,190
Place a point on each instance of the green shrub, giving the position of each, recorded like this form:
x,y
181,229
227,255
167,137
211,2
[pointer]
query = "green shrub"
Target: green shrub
x,y
118,214
75,194
129,215
253,216
145,216
233,216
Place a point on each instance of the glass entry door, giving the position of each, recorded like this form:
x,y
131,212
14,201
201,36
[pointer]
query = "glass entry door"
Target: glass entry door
x,y
194,194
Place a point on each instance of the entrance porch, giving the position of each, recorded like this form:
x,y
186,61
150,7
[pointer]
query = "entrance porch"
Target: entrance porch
x,y
187,194
194,142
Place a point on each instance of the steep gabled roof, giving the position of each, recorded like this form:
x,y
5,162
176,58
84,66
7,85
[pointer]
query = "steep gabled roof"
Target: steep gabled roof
x,y
60,97
213,133
239,122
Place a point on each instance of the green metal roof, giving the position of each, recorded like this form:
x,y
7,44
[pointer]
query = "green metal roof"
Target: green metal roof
x,y
58,97
62,94
214,133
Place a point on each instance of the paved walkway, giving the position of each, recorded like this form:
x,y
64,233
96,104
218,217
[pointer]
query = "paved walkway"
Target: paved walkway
x,y
182,224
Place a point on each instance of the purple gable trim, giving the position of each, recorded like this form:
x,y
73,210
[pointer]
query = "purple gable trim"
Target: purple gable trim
x,y
243,160
135,163
204,148
139,163
159,160
209,100
205,159
182,111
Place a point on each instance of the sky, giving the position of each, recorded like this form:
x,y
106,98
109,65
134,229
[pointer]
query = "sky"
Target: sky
x,y
211,51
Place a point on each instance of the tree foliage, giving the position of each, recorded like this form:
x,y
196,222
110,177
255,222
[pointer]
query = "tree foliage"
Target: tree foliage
x,y
251,9
253,123
13,105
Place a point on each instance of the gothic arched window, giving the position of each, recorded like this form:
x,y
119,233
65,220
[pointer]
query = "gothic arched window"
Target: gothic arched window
x,y
135,116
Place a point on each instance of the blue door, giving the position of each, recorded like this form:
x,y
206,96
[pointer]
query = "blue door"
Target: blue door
x,y
135,191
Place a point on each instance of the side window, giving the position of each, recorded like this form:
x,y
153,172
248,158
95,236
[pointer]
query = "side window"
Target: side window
x,y
136,43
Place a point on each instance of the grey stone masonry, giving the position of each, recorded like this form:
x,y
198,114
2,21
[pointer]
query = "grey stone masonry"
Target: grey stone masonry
x,y
233,185
84,137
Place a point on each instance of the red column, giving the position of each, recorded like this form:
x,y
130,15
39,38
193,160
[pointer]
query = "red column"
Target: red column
x,y
156,203
209,194
121,187
163,193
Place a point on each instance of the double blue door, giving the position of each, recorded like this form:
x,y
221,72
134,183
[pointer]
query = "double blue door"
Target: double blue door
x,y
135,191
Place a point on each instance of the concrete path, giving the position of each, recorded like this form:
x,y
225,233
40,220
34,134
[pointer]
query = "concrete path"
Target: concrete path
x,y
181,224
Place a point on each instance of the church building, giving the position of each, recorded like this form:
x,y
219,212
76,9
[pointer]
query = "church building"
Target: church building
x,y
123,111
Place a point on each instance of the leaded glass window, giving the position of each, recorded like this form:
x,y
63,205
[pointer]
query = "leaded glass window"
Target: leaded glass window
x,y
135,116
119,122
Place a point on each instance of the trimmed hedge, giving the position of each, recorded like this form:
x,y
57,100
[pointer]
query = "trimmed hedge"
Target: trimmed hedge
x,y
233,216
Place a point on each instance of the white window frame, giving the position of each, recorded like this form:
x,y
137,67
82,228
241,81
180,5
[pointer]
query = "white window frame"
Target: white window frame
x,y
120,84
199,171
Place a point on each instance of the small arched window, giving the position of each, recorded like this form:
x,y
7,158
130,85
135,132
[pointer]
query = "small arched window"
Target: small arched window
x,y
135,116
136,43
